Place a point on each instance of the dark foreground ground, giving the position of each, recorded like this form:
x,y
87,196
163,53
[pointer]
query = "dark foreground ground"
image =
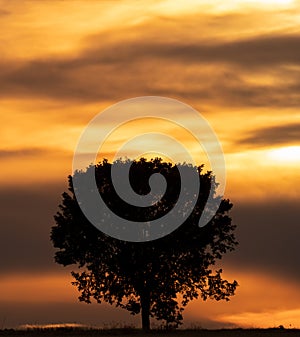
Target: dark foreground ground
x,y
138,333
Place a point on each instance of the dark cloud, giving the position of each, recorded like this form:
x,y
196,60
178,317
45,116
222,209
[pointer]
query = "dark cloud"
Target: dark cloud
x,y
270,136
268,233
4,12
15,314
259,51
27,152
143,66
255,52
26,218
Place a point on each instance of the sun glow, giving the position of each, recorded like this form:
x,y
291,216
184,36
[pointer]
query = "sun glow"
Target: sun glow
x,y
267,2
285,154
273,2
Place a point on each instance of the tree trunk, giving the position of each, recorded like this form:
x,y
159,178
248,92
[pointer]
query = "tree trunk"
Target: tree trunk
x,y
145,304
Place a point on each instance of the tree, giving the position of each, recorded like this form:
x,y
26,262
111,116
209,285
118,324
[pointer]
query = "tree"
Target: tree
x,y
156,278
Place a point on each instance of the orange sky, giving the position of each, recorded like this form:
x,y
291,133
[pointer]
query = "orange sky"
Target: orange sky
x,y
236,62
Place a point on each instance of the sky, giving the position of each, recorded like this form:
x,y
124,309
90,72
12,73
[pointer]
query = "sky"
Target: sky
x,y
236,62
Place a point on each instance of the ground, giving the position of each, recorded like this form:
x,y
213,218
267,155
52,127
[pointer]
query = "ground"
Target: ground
x,y
278,332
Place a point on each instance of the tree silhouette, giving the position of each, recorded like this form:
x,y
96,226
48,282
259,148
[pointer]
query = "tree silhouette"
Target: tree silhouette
x,y
156,278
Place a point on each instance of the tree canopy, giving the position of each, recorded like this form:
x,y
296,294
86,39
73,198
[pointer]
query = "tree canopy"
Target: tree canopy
x,y
156,278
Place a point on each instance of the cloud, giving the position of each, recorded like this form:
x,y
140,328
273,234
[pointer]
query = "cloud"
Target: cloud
x,y
272,136
33,165
26,152
268,235
16,314
215,71
255,52
259,51
268,232
26,219
4,12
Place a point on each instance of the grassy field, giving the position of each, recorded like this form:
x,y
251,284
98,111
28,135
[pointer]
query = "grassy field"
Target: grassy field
x,y
138,333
